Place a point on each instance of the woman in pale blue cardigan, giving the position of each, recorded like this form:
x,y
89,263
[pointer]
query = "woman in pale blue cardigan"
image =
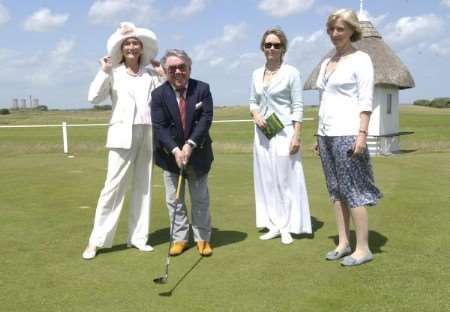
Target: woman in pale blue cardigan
x,y
280,190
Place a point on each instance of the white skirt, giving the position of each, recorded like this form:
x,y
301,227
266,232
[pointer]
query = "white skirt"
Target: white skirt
x,y
280,189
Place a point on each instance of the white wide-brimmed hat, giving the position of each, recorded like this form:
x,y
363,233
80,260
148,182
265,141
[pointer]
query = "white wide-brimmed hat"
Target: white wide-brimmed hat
x,y
128,30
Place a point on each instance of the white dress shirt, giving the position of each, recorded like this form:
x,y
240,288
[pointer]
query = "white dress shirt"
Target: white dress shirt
x,y
283,95
344,94
139,93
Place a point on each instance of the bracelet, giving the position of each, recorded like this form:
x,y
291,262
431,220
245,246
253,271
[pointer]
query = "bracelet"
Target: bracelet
x,y
363,131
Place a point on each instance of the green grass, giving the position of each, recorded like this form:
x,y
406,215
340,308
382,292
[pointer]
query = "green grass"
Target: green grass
x,y
47,205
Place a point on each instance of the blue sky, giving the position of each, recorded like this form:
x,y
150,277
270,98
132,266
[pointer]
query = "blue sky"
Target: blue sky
x,y
50,49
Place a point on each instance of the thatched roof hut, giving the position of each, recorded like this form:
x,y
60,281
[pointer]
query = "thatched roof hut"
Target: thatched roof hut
x,y
389,69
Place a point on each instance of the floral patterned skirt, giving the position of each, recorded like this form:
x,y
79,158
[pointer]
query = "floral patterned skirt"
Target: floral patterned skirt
x,y
349,179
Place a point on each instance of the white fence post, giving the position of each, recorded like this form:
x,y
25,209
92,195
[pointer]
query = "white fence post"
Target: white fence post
x,y
65,139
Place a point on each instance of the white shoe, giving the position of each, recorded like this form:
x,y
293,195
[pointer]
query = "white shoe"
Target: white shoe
x,y
144,248
286,238
269,235
90,252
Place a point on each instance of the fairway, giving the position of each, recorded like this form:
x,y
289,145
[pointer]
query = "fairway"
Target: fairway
x,y
47,206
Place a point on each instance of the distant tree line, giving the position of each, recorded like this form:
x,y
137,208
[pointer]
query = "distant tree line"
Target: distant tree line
x,y
441,102
6,111
102,107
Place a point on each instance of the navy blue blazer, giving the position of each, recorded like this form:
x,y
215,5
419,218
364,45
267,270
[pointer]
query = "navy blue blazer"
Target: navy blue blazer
x,y
168,132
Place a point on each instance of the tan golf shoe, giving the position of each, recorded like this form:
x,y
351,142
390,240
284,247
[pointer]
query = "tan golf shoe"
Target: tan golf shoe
x,y
177,248
204,248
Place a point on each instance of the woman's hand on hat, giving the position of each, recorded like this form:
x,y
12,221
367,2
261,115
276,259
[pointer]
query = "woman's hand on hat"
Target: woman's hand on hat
x,y
106,64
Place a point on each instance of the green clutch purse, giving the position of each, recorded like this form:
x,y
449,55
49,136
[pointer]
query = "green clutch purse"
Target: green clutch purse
x,y
273,126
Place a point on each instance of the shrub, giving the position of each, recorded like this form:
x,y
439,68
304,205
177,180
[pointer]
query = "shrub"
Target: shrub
x,y
4,111
443,102
42,108
422,102
102,107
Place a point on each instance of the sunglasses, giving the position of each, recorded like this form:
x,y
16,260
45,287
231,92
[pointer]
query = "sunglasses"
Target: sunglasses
x,y
269,45
173,69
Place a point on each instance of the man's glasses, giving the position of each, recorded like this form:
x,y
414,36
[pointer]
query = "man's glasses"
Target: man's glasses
x,y
173,68
269,45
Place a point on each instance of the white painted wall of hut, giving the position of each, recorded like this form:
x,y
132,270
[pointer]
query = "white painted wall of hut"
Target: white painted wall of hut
x,y
385,115
384,121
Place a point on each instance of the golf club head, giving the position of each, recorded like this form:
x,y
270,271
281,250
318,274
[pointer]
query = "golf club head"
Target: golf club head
x,y
160,280
166,294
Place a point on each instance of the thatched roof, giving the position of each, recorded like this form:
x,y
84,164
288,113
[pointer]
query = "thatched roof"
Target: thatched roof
x,y
389,69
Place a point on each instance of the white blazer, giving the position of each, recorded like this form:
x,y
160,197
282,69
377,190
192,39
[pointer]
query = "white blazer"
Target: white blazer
x,y
117,86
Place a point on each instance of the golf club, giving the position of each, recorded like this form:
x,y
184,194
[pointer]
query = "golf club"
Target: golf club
x,y
170,292
163,279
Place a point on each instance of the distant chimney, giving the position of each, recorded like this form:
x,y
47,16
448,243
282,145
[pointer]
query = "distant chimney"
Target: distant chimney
x,y
15,104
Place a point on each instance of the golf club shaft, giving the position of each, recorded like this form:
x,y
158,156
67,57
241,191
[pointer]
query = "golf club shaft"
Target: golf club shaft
x,y
177,199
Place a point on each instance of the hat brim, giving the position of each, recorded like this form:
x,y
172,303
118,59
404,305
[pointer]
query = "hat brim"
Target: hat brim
x,y
146,36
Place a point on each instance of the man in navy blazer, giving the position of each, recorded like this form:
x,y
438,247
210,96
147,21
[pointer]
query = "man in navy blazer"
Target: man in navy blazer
x,y
182,112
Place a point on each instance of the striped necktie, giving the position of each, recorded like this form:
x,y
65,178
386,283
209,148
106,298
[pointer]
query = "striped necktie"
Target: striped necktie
x,y
182,107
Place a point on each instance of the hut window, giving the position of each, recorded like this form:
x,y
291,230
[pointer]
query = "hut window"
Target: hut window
x,y
389,104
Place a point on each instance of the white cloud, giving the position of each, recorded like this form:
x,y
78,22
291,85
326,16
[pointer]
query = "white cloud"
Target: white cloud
x,y
280,8
306,51
177,37
325,9
44,20
216,61
441,48
249,60
142,12
42,68
409,30
302,43
192,8
5,54
4,15
315,36
211,50
375,20
20,62
445,3
59,60
61,53
233,32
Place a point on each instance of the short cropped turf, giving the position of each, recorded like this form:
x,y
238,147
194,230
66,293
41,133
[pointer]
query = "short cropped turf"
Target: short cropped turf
x,y
47,206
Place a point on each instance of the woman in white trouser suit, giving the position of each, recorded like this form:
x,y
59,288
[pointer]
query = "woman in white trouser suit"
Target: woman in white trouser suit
x,y
280,190
125,79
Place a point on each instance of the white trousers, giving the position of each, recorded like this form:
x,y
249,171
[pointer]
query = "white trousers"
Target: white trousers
x,y
280,189
121,162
